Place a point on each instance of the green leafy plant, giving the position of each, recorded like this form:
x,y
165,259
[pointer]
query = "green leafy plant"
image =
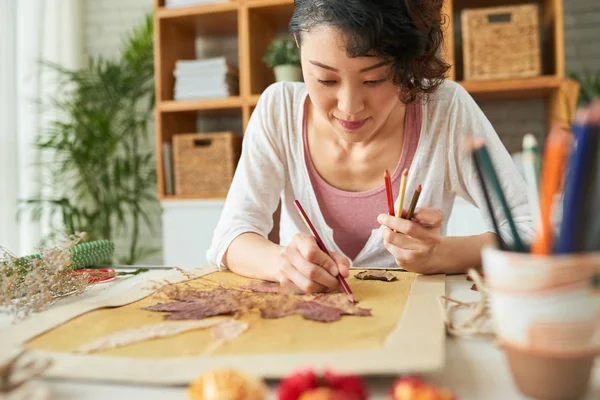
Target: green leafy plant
x,y
282,51
101,162
589,83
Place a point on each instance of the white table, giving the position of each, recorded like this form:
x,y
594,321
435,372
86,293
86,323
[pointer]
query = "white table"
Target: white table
x,y
475,369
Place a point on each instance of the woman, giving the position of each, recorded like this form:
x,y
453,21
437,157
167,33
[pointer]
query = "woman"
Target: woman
x,y
374,98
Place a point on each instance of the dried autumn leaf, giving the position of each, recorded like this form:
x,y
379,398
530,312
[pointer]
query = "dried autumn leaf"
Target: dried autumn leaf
x,y
341,302
200,304
263,287
145,332
318,312
376,276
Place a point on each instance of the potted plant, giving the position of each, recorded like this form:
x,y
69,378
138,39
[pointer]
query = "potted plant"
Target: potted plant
x,y
100,155
284,57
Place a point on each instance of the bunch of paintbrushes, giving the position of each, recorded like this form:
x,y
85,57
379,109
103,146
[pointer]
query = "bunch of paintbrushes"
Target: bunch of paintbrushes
x,y
563,187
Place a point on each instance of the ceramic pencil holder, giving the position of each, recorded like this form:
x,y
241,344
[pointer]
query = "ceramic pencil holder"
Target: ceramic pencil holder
x,y
546,314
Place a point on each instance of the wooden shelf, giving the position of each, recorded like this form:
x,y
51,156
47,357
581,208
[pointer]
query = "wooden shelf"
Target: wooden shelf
x,y
184,197
505,89
205,19
253,100
256,22
200,105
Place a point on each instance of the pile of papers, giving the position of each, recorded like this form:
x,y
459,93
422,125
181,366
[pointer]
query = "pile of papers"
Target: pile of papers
x,y
208,78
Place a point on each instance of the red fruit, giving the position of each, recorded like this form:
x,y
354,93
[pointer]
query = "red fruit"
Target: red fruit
x,y
324,393
349,384
292,387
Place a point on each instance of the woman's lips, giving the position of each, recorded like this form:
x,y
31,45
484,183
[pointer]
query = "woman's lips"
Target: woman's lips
x,y
351,125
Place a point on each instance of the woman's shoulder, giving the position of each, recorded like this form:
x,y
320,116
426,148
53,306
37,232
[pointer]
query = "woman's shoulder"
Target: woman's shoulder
x,y
286,94
448,92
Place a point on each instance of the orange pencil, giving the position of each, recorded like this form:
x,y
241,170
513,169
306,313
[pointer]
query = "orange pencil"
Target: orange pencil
x,y
402,192
388,191
558,148
321,245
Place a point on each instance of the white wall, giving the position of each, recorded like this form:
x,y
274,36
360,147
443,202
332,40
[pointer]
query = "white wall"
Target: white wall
x,y
8,127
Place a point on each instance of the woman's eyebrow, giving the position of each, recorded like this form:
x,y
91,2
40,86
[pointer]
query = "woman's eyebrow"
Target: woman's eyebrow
x,y
375,66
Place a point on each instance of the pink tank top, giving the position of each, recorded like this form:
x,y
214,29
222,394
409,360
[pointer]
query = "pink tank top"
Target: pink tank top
x,y
353,215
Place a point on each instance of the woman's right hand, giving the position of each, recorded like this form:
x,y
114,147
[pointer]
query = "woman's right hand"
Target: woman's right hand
x,y
305,268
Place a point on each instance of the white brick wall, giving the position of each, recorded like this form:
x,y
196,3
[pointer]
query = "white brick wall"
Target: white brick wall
x,y
107,23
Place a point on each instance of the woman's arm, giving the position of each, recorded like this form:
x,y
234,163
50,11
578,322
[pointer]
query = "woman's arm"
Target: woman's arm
x,y
254,191
467,121
458,254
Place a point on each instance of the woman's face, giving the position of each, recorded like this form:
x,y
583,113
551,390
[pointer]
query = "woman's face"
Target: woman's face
x,y
354,95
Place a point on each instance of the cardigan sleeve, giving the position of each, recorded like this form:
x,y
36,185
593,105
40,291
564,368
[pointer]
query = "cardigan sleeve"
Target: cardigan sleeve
x,y
258,180
466,119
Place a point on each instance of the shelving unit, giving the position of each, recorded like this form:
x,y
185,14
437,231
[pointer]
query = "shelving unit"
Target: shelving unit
x,y
257,22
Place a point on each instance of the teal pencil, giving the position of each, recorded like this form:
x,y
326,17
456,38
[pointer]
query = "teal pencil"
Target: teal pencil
x,y
485,160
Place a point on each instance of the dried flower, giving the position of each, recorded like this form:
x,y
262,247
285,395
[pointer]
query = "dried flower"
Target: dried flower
x,y
27,288
16,372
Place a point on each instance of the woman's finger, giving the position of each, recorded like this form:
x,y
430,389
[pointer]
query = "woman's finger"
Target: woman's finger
x,y
310,251
429,217
300,281
410,228
342,262
404,257
402,241
312,272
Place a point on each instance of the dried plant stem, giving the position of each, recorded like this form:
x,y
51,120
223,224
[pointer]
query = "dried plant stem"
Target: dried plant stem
x,y
479,315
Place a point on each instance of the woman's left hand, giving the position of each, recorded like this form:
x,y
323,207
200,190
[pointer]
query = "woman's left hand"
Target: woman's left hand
x,y
412,243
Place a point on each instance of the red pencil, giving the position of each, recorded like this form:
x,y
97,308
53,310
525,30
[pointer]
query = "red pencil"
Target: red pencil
x,y
388,191
321,245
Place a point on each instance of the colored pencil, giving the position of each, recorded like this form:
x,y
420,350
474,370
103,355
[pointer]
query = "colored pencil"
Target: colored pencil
x,y
556,153
484,158
321,245
413,203
402,192
500,243
531,167
570,237
388,191
591,225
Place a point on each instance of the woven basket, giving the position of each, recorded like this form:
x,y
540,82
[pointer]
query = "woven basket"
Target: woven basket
x,y
204,163
501,42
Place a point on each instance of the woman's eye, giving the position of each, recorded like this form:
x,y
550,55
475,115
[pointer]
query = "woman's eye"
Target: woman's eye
x,y
325,82
374,83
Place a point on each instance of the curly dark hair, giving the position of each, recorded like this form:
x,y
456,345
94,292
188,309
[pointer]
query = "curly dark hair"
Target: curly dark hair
x,y
408,33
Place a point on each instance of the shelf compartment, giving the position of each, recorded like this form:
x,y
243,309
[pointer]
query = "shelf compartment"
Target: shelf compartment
x,y
505,89
205,19
551,33
267,20
228,103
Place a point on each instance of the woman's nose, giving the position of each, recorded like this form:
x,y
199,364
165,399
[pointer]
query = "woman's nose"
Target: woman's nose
x,y
350,100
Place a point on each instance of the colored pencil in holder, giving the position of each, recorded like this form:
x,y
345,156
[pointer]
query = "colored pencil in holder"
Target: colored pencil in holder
x,y
321,245
488,170
556,153
571,235
499,242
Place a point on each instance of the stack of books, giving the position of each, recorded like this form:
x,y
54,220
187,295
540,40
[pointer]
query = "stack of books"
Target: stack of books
x,y
205,79
185,3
